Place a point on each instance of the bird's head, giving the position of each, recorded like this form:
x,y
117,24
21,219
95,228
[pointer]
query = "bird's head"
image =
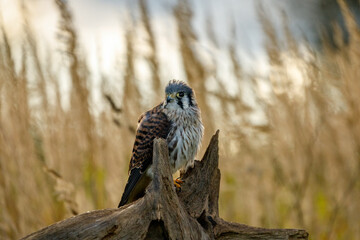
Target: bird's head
x,y
179,96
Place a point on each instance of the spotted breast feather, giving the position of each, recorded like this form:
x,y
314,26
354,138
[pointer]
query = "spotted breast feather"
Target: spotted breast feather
x,y
152,124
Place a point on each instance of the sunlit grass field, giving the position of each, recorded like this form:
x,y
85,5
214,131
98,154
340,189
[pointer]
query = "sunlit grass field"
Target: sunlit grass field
x,y
299,168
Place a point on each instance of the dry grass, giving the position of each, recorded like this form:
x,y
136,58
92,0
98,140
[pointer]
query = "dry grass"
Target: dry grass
x,y
300,169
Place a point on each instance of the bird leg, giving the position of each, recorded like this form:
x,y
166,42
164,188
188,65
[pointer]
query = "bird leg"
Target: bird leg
x,y
177,183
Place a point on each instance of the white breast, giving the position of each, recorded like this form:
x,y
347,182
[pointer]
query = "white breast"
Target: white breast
x,y
184,140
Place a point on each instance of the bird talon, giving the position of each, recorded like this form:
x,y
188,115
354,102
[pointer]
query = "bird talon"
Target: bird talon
x,y
177,183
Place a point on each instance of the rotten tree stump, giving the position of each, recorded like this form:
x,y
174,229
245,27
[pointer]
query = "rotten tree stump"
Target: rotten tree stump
x,y
163,213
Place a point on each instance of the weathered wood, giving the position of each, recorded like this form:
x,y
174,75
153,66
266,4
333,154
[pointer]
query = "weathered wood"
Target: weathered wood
x,y
164,213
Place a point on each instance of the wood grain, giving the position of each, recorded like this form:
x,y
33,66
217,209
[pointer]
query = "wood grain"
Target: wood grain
x,y
164,213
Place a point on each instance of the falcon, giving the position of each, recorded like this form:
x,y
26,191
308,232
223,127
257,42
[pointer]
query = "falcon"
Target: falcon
x,y
177,119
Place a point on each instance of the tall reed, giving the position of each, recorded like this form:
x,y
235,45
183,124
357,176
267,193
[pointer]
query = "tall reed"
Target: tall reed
x,y
298,167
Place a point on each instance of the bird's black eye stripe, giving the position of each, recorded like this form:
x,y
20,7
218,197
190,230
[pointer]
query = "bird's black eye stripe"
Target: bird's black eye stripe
x,y
180,103
190,101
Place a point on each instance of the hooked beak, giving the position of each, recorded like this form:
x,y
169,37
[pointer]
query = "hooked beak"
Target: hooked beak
x,y
170,97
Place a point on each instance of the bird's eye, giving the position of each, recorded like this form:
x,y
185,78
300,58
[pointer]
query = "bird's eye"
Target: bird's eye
x,y
180,94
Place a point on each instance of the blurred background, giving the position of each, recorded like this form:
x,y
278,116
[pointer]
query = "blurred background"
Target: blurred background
x,y
280,79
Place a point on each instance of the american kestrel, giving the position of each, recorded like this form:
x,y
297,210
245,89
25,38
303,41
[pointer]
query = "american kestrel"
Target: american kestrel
x,y
177,119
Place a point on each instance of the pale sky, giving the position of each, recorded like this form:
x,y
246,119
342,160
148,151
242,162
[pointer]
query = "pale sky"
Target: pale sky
x,y
101,25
